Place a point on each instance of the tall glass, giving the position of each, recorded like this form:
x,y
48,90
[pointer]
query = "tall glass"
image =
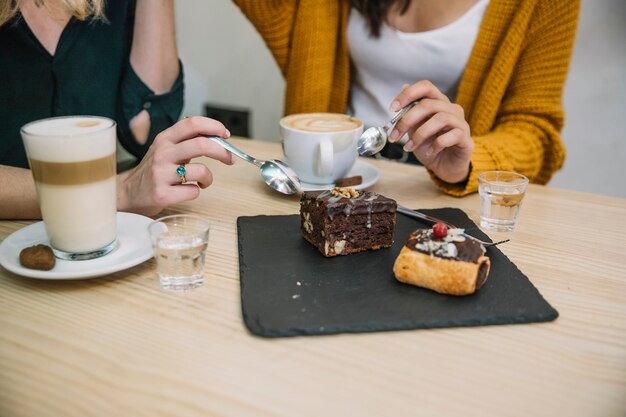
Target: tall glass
x,y
72,159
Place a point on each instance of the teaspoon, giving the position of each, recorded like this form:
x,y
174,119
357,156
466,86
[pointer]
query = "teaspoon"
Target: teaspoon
x,y
375,138
275,173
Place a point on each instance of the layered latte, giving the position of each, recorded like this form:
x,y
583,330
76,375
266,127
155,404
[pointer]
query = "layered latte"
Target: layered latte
x,y
73,165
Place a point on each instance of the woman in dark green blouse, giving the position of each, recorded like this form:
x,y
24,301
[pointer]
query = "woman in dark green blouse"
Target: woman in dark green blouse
x,y
116,59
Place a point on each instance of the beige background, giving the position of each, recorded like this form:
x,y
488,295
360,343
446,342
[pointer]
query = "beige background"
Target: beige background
x,y
226,62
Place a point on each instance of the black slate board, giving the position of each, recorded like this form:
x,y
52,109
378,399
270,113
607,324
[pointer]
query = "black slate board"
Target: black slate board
x,y
288,288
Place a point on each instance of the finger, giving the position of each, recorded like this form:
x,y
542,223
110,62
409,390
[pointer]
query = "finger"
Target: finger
x,y
427,131
415,117
454,137
419,90
436,125
179,193
200,146
198,173
192,127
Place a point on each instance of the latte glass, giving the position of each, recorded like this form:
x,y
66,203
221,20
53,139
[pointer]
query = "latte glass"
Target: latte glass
x,y
320,147
73,164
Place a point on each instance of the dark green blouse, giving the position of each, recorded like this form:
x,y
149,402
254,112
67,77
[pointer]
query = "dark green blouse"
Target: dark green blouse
x,y
90,74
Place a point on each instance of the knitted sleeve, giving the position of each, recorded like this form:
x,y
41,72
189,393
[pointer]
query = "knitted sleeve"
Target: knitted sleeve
x,y
526,134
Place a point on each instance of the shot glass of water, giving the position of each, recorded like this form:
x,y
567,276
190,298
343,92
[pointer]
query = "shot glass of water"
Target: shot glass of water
x,y
180,243
501,194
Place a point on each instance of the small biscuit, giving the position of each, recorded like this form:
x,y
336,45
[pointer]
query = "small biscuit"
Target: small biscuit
x,y
349,181
38,257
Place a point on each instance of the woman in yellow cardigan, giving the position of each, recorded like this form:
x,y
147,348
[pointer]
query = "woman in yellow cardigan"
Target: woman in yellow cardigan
x,y
502,65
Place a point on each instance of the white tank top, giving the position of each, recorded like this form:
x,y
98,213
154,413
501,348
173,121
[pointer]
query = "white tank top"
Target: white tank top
x,y
383,65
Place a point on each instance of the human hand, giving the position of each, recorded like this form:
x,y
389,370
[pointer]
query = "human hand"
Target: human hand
x,y
155,184
438,134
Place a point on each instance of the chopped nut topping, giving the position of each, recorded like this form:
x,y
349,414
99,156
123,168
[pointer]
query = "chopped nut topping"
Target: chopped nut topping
x,y
345,192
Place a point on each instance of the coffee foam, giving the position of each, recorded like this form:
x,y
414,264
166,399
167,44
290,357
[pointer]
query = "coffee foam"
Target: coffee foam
x,y
321,122
69,139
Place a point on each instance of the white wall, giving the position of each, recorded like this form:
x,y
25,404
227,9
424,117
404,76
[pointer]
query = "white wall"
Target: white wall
x,y
226,62
595,102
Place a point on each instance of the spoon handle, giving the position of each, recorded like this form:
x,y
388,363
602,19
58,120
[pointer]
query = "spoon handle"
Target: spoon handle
x,y
392,123
233,149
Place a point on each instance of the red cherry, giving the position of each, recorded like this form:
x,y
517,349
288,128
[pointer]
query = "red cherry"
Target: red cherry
x,y
440,230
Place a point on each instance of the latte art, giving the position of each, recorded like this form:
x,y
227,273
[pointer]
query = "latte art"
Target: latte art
x,y
321,122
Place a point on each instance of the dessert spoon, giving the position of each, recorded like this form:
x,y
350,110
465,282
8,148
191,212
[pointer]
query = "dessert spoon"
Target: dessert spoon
x,y
375,138
416,214
275,173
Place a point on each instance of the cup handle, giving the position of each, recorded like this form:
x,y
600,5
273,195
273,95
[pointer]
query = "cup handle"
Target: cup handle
x,y
325,163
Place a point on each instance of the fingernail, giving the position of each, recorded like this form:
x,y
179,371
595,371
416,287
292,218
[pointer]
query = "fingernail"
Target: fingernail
x,y
394,135
409,147
227,133
395,106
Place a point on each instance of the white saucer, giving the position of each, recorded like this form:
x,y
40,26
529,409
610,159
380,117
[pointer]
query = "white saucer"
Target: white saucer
x,y
367,171
133,248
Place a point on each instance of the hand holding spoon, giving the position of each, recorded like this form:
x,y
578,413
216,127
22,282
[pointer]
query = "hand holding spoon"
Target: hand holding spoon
x,y
375,138
275,173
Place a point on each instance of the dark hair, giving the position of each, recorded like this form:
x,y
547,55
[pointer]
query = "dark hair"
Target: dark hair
x,y
375,11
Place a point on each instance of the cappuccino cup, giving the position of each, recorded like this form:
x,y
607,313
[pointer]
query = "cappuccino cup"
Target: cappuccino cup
x,y
72,160
320,147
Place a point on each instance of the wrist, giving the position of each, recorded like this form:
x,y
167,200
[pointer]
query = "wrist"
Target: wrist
x,y
456,177
123,194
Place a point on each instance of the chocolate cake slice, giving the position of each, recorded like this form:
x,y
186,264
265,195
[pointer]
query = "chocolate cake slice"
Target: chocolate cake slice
x,y
344,221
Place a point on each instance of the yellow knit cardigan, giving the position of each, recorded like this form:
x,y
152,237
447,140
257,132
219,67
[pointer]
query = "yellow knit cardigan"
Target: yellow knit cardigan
x,y
511,89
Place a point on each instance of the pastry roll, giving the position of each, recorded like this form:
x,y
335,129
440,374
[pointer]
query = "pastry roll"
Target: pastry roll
x,y
446,263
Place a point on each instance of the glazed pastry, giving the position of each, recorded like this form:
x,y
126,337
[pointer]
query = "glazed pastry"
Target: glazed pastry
x,y
344,221
442,260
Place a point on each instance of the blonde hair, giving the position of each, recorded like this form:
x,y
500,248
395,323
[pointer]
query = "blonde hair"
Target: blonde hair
x,y
80,9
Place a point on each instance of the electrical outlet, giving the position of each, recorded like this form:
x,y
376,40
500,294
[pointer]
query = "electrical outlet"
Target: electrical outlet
x,y
236,119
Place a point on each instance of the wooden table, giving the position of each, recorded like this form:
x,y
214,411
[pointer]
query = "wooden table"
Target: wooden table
x,y
120,346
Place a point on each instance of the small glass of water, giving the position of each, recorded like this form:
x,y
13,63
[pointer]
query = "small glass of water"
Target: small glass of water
x,y
501,194
180,243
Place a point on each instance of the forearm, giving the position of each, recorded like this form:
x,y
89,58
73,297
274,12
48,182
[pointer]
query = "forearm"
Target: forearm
x,y
18,197
526,144
154,56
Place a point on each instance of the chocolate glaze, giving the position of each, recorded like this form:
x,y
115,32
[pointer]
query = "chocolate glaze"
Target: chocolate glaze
x,y
365,203
468,250
482,275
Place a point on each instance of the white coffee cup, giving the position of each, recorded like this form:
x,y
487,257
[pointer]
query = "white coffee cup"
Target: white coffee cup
x,y
73,164
320,147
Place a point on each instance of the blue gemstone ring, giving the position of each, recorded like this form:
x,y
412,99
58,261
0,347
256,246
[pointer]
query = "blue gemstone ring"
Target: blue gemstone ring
x,y
181,171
